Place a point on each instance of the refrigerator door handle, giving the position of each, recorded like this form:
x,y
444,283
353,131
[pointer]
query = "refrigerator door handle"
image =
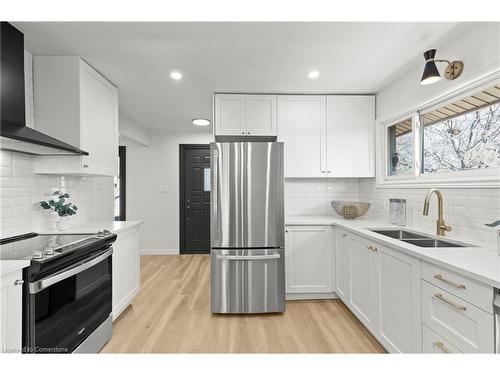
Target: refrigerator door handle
x,y
214,197
248,257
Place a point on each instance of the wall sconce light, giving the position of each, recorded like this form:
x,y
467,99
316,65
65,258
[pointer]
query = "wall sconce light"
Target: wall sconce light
x,y
431,72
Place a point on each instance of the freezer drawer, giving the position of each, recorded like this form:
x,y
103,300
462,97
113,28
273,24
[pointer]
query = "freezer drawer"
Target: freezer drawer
x,y
248,281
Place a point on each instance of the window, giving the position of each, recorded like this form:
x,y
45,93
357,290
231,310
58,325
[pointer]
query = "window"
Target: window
x,y
400,148
456,140
466,141
206,179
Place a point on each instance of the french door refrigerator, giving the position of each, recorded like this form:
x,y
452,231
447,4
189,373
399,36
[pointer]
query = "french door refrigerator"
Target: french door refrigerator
x,y
247,227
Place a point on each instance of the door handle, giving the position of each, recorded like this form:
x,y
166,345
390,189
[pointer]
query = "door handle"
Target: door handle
x,y
451,303
449,282
248,257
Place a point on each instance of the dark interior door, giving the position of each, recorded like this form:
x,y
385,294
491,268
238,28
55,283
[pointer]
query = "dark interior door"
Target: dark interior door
x,y
195,199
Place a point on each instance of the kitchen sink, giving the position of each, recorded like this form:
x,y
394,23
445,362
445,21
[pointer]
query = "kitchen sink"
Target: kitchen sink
x,y
418,239
398,234
432,242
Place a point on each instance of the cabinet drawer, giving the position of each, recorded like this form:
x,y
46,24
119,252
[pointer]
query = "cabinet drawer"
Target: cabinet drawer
x,y
478,294
464,325
433,343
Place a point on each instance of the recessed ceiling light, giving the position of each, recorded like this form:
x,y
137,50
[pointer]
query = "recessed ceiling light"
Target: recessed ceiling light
x,y
313,74
201,122
176,75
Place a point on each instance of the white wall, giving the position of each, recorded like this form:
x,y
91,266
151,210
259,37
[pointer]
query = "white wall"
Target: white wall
x,y
131,131
476,44
467,210
148,169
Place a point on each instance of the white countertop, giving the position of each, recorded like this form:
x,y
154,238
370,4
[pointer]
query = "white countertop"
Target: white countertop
x,y
481,262
95,226
8,266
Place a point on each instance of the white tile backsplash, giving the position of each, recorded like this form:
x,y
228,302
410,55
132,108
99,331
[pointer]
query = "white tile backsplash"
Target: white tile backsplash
x,y
466,210
19,196
313,196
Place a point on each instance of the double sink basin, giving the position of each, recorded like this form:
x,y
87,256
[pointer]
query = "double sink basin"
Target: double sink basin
x,y
418,239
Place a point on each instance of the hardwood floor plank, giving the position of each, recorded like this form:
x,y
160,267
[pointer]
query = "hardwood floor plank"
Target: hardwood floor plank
x,y
171,314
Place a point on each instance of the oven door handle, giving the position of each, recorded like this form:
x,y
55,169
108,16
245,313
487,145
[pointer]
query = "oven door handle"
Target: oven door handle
x,y
39,285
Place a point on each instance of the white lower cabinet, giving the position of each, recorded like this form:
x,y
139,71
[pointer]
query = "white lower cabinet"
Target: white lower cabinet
x,y
381,287
342,261
126,269
433,343
399,325
363,295
11,308
308,259
466,326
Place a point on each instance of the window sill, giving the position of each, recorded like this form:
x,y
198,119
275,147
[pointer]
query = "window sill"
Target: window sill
x,y
480,182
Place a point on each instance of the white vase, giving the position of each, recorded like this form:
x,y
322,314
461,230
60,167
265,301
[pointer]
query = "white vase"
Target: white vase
x,y
61,222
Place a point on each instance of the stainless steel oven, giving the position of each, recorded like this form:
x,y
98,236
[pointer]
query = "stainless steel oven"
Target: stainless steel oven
x,y
69,309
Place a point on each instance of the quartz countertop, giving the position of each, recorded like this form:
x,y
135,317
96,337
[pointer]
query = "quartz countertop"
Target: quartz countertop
x,y
8,266
480,261
93,227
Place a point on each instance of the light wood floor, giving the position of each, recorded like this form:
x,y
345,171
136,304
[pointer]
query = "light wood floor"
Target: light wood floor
x,y
171,314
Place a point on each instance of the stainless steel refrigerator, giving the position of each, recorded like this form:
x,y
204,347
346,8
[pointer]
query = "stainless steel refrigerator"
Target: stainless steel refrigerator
x,y
247,227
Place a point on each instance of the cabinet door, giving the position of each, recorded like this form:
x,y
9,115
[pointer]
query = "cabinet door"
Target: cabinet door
x,y
399,301
99,122
342,260
126,270
230,114
350,134
11,305
308,259
302,127
363,294
261,115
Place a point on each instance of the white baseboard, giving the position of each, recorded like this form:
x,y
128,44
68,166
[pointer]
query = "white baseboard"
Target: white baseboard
x,y
159,252
298,296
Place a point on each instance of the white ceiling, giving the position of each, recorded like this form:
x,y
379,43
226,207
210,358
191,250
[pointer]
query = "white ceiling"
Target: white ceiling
x,y
233,57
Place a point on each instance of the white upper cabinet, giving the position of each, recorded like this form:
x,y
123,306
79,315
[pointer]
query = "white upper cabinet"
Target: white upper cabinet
x,y
324,136
350,134
308,259
302,128
230,114
245,115
261,115
77,105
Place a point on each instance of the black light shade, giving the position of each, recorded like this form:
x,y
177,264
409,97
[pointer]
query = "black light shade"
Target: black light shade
x,y
431,72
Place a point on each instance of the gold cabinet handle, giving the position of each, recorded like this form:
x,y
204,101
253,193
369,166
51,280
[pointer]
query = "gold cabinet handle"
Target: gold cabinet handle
x,y
456,285
453,304
372,248
441,346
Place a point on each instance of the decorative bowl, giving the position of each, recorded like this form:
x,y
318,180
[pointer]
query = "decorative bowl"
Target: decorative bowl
x,y
350,210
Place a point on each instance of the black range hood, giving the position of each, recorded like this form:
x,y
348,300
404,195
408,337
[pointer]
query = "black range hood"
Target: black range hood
x,y
14,134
